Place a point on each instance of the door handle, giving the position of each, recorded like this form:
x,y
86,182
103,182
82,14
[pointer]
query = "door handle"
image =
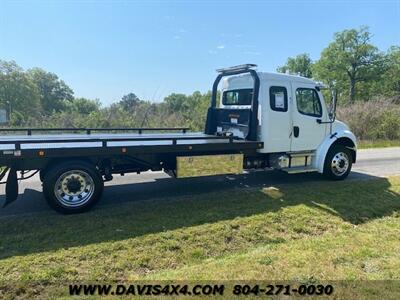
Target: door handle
x,y
296,131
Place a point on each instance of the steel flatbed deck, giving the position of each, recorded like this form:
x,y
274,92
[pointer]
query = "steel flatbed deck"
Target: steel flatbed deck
x,y
103,152
17,147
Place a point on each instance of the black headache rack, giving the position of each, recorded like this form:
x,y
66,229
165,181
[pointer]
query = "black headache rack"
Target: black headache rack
x,y
214,114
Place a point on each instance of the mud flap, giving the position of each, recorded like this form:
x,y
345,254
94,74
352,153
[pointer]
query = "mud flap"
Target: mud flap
x,y
11,187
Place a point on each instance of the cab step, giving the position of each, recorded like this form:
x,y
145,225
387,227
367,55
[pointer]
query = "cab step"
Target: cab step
x,y
295,170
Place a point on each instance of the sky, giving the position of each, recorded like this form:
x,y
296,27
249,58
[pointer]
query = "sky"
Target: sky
x,y
106,49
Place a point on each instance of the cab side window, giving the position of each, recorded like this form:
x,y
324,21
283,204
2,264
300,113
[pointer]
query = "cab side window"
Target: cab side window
x,y
308,102
278,98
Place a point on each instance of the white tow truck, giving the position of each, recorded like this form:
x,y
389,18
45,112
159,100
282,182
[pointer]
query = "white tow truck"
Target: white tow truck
x,y
261,120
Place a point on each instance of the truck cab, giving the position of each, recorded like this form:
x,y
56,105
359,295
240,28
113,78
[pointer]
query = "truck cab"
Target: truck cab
x,y
289,115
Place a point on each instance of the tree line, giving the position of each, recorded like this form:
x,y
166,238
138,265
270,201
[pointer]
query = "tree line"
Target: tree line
x,y
351,64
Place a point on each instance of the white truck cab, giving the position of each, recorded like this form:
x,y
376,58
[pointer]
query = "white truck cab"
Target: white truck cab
x,y
290,117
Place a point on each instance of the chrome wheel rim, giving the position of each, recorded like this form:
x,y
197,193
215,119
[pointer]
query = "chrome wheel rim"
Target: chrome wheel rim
x,y
74,188
340,163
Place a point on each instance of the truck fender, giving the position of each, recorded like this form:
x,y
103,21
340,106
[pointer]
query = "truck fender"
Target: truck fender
x,y
344,137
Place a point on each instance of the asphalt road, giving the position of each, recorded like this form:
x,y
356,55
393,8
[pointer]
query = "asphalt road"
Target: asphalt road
x,y
370,163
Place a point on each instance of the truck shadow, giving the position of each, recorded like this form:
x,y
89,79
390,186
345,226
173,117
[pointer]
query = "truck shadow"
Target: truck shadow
x,y
169,205
170,187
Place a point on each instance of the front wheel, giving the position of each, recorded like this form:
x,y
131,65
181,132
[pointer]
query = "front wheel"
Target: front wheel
x,y
72,187
338,163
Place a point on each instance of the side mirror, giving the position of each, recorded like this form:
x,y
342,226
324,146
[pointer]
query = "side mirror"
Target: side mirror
x,y
332,112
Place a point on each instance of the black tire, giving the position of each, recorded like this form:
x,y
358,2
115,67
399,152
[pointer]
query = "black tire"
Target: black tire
x,y
72,187
338,162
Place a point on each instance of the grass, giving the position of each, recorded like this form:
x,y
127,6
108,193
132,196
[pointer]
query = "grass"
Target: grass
x,y
364,144
316,231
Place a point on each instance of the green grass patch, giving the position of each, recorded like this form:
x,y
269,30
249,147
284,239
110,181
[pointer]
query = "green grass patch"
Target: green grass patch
x,y
364,144
321,230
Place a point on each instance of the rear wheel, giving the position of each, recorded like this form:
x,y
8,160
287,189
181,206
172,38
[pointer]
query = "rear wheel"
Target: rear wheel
x,y
338,162
72,187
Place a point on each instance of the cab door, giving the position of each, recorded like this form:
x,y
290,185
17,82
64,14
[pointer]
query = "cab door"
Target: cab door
x,y
307,109
276,116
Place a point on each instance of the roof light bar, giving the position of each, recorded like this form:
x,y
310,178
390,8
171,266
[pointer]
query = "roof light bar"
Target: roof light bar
x,y
237,68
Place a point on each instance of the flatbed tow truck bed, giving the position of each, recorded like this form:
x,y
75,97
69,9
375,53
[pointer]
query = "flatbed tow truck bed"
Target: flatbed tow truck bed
x,y
17,148
104,154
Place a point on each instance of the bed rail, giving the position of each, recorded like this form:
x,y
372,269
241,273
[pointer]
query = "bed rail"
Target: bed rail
x,y
140,130
174,140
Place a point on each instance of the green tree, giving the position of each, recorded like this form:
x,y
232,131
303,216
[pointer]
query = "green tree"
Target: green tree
x,y
129,102
350,59
299,65
188,110
83,106
199,104
18,93
391,77
54,92
177,102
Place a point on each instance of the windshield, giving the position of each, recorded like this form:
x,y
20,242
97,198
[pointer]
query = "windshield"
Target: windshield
x,y
237,97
